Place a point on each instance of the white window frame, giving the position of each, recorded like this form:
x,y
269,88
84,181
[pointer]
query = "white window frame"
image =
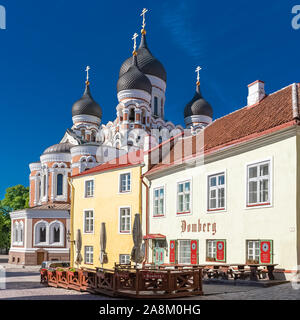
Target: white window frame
x,y
52,225
120,182
88,254
217,188
124,258
180,253
159,215
86,195
120,222
211,248
257,205
178,213
37,234
253,248
92,219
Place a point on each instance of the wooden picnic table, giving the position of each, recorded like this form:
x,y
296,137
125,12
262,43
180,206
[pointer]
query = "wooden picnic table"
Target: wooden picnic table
x,y
254,274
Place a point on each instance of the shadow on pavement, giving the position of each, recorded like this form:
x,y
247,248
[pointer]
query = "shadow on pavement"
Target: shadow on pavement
x,y
10,274
63,297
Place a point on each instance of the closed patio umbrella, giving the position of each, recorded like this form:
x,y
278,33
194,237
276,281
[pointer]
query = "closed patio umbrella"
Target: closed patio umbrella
x,y
137,255
78,244
103,256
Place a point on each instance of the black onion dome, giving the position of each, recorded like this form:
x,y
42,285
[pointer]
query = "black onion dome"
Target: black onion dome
x,y
134,79
59,148
87,105
198,106
146,62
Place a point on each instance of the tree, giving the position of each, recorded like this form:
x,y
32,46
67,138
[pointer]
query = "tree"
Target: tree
x,y
16,198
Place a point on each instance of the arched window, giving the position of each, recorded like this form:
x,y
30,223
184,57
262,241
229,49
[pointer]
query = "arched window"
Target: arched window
x,y
82,133
56,231
93,136
20,229
44,185
59,186
56,234
39,190
155,106
143,116
41,230
15,232
42,234
131,114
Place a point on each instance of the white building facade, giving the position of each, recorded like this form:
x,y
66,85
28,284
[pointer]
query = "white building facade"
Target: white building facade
x,y
238,201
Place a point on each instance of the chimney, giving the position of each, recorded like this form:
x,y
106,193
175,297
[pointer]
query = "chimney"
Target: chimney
x,y
256,92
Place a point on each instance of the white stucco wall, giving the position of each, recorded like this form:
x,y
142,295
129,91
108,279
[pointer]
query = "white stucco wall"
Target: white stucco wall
x,y
237,223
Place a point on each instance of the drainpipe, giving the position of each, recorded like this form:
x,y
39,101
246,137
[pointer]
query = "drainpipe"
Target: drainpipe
x,y
147,217
71,224
295,102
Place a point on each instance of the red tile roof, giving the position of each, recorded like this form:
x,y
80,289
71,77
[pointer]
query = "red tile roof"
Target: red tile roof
x,y
270,114
129,159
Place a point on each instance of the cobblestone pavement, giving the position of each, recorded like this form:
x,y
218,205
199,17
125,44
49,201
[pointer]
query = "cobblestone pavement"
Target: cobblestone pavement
x,y
24,284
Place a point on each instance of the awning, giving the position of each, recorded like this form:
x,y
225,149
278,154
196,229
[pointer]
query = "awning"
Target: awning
x,y
154,236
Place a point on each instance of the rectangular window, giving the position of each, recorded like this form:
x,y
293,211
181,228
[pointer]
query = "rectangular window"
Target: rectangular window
x,y
125,220
183,197
184,251
125,182
259,251
124,259
253,251
216,250
258,184
158,206
216,192
88,254
211,250
88,221
89,188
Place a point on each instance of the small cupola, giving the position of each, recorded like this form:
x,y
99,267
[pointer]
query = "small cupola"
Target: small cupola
x,y
86,105
134,78
198,112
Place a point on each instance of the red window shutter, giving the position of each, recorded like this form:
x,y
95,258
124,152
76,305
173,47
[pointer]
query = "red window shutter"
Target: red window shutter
x,y
221,249
172,251
266,248
194,251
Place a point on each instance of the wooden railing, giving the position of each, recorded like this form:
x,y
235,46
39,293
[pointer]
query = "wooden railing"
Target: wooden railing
x,y
128,282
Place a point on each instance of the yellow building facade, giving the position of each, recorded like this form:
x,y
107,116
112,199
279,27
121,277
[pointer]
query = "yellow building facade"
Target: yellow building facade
x,y
109,193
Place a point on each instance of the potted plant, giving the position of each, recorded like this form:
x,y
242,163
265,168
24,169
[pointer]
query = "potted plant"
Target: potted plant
x,y
72,271
51,272
60,271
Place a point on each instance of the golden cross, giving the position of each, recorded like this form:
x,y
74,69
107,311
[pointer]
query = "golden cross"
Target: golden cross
x,y
143,14
134,41
87,73
198,73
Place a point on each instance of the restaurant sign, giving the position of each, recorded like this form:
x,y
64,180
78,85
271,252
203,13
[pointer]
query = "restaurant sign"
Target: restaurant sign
x,y
198,227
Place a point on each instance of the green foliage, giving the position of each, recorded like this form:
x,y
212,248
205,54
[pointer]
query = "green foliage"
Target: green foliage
x,y
16,198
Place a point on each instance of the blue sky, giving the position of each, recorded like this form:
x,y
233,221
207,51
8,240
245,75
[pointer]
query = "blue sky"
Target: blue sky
x,y
47,45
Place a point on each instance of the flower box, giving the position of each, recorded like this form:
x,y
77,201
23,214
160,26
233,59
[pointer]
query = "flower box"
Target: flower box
x,y
211,259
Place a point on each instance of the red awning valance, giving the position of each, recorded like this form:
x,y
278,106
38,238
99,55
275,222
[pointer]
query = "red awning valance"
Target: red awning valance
x,y
154,236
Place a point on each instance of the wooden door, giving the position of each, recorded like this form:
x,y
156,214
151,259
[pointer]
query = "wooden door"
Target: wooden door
x,y
40,257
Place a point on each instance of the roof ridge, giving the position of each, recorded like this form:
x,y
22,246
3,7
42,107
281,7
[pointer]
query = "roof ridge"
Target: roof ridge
x,y
268,95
